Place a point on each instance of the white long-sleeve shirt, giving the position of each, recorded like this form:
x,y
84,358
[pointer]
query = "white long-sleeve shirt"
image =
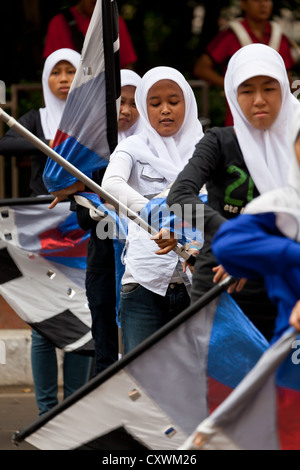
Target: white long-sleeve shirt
x,y
134,185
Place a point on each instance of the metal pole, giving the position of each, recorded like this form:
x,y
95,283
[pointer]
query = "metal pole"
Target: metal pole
x,y
11,122
200,303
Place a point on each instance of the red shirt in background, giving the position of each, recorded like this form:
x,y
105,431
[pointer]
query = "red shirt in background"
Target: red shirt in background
x,y
225,44
59,36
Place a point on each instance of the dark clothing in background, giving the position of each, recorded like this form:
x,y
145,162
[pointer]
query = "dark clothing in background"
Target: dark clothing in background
x,y
12,144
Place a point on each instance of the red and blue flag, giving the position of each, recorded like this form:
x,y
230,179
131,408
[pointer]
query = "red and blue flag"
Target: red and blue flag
x,y
88,131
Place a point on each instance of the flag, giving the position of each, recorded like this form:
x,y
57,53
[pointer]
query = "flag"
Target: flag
x,y
153,397
42,275
88,131
263,412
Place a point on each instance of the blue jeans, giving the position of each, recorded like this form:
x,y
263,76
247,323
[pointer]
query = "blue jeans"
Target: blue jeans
x,y
143,312
76,372
101,295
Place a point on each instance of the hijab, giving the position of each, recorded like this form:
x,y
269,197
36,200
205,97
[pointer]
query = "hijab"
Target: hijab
x,y
129,77
52,112
284,202
266,152
168,155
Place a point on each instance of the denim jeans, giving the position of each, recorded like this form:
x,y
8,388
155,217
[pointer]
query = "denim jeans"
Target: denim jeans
x,y
76,372
101,295
143,312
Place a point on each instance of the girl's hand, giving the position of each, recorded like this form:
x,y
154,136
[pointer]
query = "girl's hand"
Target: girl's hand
x,y
295,317
222,274
186,264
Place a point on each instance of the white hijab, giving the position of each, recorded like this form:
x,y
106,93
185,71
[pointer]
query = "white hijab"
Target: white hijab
x,y
129,77
51,114
168,155
285,202
266,152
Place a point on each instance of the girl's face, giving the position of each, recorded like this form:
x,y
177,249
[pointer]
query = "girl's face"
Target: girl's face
x,y
86,7
260,101
166,107
128,113
61,78
297,149
257,10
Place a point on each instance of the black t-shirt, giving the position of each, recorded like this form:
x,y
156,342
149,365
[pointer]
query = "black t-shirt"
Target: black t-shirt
x,y
217,163
229,184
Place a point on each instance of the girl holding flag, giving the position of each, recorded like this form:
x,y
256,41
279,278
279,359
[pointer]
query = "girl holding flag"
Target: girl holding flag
x,y
58,73
239,163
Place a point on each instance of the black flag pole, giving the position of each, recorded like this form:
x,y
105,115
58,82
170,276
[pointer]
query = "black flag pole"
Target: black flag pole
x,y
24,201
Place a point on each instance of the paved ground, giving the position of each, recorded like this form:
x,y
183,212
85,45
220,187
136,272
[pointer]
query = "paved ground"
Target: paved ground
x,y
17,410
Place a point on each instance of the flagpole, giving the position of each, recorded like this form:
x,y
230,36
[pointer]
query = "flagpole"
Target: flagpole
x,y
13,123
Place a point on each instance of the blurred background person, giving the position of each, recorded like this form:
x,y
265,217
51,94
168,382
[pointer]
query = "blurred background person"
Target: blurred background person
x,y
68,29
254,27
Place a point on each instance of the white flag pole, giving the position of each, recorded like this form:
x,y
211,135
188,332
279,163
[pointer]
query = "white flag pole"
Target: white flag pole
x,y
11,122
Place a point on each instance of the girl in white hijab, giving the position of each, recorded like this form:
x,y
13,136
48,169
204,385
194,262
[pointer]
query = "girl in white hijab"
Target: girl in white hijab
x,y
266,151
239,163
284,202
58,74
142,166
264,241
54,105
165,156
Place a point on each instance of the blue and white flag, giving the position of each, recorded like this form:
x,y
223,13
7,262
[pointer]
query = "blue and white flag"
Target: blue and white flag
x,y
114,225
88,131
159,215
263,412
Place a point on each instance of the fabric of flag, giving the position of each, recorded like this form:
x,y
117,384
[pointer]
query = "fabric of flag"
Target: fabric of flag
x,y
118,224
156,213
155,395
263,412
88,132
42,275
